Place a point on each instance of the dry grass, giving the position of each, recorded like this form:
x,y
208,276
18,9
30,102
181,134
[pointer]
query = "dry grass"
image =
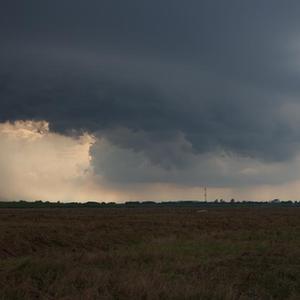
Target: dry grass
x,y
150,254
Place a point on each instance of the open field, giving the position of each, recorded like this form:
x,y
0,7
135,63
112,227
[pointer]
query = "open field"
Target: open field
x,y
160,253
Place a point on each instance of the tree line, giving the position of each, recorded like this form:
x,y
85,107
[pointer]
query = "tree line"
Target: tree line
x,y
130,204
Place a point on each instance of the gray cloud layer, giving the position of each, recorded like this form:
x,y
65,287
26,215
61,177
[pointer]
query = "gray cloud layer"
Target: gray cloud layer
x,y
163,78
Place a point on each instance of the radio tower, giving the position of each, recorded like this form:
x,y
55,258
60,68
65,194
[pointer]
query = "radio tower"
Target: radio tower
x,y
205,194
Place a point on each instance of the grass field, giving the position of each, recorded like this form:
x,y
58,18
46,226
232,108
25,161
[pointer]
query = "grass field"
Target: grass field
x,y
160,253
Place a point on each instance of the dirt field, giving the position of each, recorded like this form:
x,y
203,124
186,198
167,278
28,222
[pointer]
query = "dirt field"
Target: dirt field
x,y
156,253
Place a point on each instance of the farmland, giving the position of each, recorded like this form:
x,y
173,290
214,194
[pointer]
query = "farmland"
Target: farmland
x,y
150,253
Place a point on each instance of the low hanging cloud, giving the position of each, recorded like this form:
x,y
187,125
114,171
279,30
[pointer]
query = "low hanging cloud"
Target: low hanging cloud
x,y
122,165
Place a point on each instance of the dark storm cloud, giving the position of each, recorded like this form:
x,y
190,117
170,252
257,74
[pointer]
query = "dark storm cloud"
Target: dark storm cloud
x,y
215,72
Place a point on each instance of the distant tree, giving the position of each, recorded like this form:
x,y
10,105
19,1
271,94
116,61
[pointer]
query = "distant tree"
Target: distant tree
x,y
275,201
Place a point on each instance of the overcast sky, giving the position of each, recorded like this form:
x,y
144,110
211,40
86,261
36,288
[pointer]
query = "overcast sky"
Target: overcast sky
x,y
125,100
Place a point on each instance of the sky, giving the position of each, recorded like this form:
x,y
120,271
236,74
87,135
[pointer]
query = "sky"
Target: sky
x,y
118,100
